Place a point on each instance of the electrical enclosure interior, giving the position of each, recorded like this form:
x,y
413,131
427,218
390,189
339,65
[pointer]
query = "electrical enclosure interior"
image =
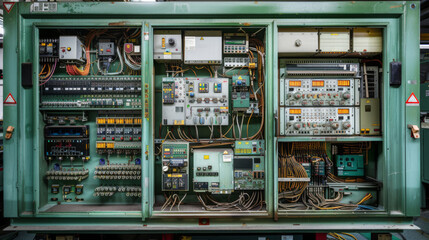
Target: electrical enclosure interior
x,y
241,121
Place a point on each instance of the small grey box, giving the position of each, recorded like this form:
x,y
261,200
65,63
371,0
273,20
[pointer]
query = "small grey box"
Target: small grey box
x,y
292,42
167,45
71,49
203,47
106,49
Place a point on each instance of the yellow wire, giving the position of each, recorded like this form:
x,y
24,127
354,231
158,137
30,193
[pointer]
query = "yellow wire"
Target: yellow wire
x,y
41,72
248,121
350,235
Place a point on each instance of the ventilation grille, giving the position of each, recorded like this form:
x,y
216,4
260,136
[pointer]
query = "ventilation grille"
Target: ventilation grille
x,y
372,75
318,60
317,73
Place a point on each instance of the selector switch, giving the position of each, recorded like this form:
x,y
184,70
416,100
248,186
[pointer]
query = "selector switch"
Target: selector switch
x,y
297,126
335,125
171,42
346,95
346,125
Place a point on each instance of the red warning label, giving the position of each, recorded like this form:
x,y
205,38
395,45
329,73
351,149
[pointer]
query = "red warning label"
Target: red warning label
x,y
9,99
412,100
8,6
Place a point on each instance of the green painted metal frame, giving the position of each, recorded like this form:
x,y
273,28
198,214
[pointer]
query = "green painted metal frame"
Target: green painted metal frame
x,y
401,28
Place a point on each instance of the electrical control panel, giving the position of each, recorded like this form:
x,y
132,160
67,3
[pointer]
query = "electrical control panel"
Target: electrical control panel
x,y
350,165
71,49
319,92
213,170
235,43
203,47
249,173
92,92
167,45
175,166
252,147
319,121
195,101
370,116
106,49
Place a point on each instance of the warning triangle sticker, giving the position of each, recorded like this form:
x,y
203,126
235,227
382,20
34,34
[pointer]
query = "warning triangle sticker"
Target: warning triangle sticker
x,y
8,6
412,100
9,99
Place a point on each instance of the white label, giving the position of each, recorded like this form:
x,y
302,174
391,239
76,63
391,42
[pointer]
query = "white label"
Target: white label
x,y
137,48
167,56
43,7
287,237
227,158
189,43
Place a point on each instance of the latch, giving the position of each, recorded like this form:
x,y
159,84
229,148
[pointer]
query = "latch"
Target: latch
x,y
9,132
415,131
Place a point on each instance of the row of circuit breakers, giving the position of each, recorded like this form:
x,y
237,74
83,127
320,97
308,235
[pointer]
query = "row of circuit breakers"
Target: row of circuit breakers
x,y
215,170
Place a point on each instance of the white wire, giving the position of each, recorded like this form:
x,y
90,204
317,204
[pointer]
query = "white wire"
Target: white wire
x,y
121,62
130,65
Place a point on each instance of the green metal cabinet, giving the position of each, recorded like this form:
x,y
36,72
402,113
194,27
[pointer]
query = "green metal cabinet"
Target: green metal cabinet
x,y
399,162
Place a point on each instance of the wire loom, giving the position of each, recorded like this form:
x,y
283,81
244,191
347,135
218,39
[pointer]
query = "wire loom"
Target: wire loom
x,y
305,196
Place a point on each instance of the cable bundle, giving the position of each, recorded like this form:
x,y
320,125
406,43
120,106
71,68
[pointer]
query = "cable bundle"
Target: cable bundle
x,y
245,202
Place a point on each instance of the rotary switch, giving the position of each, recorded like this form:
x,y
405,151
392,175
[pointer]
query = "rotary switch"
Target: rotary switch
x,y
346,95
171,42
297,126
346,125
335,125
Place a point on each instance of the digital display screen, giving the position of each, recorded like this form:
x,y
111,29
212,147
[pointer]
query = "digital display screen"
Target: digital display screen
x,y
295,83
294,111
235,42
344,83
318,83
343,111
